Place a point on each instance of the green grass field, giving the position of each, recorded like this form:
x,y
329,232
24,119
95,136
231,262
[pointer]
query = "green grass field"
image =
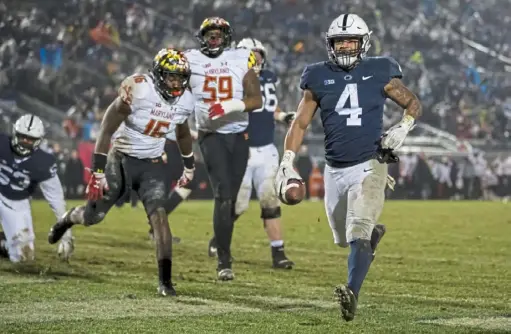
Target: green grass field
x,y
443,267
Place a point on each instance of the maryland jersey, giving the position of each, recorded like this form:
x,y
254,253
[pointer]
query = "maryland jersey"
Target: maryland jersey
x,y
351,105
219,79
19,176
151,118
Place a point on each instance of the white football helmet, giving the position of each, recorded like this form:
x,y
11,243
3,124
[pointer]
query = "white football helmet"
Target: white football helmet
x,y
254,45
28,132
348,26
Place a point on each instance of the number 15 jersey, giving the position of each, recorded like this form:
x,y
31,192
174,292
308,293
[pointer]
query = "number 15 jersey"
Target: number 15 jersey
x,y
219,79
151,118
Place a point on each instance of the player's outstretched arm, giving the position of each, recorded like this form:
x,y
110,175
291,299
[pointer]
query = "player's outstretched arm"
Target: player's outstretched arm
x,y
184,141
115,114
252,91
405,98
303,118
399,93
294,138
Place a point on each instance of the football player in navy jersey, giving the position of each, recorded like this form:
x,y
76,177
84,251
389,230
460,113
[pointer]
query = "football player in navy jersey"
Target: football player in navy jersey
x,y
23,166
264,158
350,91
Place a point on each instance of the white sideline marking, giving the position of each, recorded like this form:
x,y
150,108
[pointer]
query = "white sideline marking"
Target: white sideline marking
x,y
489,323
33,312
39,312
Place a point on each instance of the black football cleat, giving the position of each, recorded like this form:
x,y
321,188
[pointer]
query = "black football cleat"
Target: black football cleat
x,y
347,302
58,230
225,274
378,233
280,261
166,290
224,270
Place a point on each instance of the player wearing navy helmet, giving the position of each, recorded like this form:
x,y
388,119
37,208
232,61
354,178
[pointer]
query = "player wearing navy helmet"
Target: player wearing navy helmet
x,y
350,91
23,167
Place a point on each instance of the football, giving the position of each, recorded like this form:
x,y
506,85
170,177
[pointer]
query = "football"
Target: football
x,y
294,192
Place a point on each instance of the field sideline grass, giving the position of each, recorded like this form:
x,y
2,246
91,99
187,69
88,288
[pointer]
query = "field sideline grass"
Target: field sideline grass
x,y
443,267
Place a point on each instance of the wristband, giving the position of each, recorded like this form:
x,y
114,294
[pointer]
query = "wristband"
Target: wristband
x,y
189,161
289,157
99,163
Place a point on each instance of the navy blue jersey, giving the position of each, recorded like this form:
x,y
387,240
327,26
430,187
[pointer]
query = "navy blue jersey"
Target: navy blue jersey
x,y
351,106
19,176
261,124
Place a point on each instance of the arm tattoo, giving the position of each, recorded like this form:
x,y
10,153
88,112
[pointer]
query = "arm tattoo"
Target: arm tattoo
x,y
252,91
399,93
115,114
184,138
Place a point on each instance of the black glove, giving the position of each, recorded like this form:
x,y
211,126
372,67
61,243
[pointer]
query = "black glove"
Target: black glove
x,y
385,155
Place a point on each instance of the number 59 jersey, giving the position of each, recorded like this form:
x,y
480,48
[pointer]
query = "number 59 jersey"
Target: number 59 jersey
x,y
219,79
351,106
151,118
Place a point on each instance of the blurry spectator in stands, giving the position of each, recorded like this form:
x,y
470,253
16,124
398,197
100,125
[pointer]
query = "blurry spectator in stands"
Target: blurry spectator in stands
x,y
74,176
90,128
480,166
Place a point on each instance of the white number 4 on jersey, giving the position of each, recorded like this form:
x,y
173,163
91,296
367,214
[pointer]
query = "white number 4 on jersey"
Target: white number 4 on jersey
x,y
353,110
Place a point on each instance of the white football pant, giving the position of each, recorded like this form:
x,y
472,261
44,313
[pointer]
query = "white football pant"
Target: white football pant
x,y
16,219
354,199
261,171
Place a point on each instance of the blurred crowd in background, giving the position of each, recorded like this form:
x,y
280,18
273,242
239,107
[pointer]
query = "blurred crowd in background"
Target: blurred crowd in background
x,y
64,60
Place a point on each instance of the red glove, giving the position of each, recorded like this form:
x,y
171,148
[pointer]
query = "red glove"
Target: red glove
x,y
186,178
96,187
216,111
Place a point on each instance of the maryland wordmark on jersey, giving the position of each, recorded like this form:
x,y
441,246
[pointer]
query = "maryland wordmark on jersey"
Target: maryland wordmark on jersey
x,y
216,80
151,118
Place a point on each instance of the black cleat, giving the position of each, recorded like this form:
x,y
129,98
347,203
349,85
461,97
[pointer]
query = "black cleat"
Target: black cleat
x,y
224,271
378,233
280,261
347,302
212,248
166,289
225,274
58,230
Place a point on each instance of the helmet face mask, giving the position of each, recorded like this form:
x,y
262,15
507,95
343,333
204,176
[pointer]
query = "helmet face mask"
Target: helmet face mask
x,y
214,35
28,132
171,73
347,40
259,50
261,60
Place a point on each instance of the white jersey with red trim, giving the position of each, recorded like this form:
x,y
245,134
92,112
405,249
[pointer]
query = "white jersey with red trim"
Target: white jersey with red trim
x,y
152,118
216,80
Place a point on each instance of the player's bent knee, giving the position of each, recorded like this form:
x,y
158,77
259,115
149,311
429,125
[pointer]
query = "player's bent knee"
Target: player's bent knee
x,y
158,216
342,244
90,217
155,209
359,229
270,213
